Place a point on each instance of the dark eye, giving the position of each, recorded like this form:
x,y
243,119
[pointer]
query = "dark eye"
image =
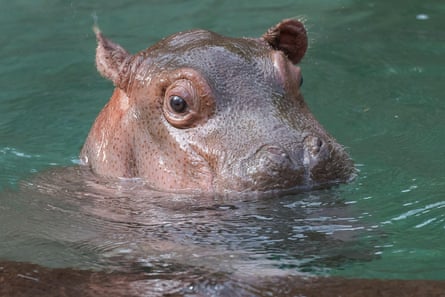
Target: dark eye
x,y
301,81
178,104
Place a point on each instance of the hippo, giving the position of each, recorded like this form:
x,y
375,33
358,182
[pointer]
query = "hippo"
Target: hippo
x,y
199,111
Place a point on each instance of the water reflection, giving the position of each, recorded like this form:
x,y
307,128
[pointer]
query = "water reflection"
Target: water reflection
x,y
69,218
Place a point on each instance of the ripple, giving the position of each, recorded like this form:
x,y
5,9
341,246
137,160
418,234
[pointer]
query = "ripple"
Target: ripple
x,y
417,211
14,152
122,225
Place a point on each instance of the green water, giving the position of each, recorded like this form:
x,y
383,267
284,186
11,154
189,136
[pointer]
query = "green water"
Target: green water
x,y
374,77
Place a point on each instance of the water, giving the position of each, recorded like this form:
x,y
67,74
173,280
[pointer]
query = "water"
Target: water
x,y
373,76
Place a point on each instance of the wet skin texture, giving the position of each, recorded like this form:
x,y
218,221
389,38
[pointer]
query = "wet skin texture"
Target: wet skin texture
x,y
200,111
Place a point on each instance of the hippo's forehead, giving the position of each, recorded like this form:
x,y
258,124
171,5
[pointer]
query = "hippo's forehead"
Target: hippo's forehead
x,y
225,62
199,46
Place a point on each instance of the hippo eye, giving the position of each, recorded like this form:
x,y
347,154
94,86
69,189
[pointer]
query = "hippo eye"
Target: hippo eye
x,y
187,100
178,104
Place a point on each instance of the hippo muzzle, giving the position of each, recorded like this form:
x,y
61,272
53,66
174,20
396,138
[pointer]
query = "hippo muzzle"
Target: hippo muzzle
x,y
298,166
202,112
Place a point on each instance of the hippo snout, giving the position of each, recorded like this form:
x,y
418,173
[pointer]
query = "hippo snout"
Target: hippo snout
x,y
315,161
272,167
314,146
315,150
275,160
326,161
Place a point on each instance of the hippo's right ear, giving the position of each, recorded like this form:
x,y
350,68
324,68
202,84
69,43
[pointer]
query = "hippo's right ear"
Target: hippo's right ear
x,y
112,60
288,36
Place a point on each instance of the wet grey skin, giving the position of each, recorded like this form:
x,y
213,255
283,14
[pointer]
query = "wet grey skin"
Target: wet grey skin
x,y
202,112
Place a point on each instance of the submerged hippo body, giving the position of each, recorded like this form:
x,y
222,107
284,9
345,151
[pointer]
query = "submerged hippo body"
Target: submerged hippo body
x,y
199,111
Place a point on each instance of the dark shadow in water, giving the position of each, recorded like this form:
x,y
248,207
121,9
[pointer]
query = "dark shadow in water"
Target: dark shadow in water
x,y
22,279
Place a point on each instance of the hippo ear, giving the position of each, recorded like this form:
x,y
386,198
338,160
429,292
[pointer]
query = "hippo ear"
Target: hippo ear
x,y
288,36
111,60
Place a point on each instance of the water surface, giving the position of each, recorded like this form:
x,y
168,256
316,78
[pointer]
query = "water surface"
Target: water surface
x,y
373,77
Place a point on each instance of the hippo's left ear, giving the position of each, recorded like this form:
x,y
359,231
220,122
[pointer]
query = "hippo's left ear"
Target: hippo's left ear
x,y
288,36
112,61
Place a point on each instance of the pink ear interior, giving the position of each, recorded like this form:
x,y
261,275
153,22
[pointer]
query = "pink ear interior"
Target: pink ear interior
x,y
111,59
288,36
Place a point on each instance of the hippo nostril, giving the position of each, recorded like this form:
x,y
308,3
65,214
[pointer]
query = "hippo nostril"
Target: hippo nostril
x,y
273,157
319,144
314,145
277,151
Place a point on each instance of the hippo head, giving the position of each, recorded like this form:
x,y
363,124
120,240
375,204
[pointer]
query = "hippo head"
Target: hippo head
x,y
200,111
